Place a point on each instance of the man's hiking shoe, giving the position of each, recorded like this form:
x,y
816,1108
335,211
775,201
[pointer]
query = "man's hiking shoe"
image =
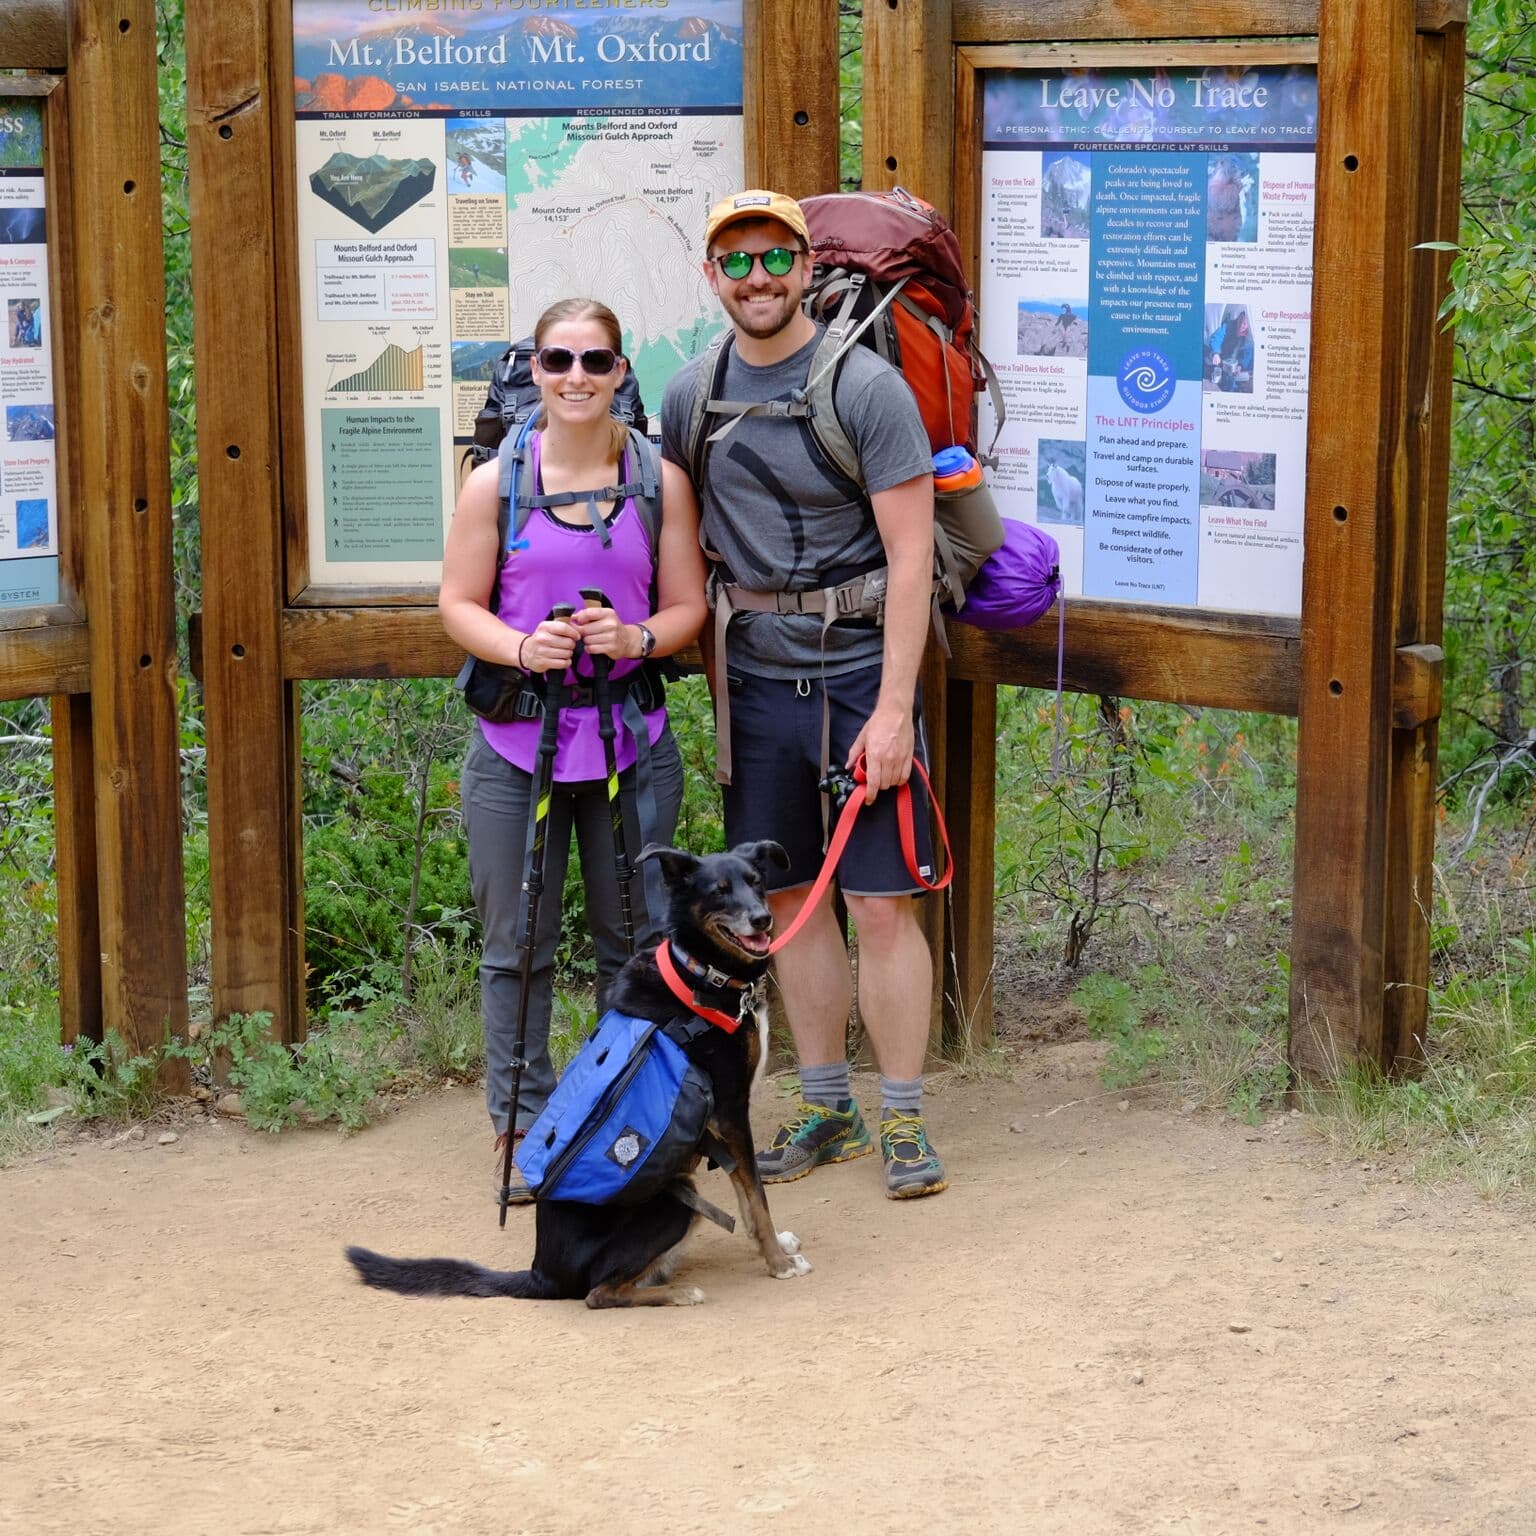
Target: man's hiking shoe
x,y
520,1193
912,1167
813,1135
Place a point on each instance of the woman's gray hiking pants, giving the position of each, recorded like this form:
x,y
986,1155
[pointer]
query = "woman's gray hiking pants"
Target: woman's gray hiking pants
x,y
496,796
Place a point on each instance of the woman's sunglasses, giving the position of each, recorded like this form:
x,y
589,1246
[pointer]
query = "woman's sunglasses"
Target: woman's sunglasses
x,y
777,262
594,360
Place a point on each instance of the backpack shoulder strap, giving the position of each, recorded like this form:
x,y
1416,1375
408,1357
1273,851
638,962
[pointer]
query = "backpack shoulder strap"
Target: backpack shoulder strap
x,y
711,374
511,484
842,334
646,474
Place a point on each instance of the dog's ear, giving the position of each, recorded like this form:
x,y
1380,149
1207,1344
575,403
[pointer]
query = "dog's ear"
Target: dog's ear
x,y
762,855
676,863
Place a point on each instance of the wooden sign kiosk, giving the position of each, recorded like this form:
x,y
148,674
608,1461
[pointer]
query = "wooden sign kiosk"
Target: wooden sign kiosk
x,y
266,623
1362,665
104,650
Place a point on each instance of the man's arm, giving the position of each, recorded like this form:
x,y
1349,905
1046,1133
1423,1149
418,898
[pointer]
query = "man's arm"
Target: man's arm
x,y
904,516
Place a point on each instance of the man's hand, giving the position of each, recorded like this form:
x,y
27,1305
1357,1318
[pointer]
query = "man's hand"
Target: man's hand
x,y
887,743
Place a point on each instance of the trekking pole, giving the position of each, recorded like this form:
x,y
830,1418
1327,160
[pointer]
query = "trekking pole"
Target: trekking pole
x,y
533,884
601,667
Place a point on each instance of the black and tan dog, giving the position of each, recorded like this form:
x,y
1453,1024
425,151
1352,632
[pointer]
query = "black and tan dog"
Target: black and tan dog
x,y
625,1255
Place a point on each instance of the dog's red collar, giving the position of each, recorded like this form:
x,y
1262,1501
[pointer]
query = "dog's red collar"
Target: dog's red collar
x,y
685,994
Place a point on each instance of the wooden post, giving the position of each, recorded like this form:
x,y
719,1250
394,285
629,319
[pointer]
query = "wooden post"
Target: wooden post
x,y
970,802
1420,581
790,101
125,511
252,713
1356,506
909,98
74,836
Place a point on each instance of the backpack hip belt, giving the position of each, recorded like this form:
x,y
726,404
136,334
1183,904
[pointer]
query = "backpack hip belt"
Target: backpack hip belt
x,y
861,597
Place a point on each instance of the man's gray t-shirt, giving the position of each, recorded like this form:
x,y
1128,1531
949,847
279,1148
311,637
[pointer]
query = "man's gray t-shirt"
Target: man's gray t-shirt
x,y
781,517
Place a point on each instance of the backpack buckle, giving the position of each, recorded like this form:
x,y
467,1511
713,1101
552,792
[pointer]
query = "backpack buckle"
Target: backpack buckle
x,y
529,705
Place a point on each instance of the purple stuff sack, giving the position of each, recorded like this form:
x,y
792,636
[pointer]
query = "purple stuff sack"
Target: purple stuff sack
x,y
1017,583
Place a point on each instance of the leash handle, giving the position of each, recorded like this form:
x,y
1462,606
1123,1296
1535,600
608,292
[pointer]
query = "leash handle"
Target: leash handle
x,y
844,830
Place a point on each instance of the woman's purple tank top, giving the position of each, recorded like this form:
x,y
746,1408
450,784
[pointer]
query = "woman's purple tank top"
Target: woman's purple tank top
x,y
558,562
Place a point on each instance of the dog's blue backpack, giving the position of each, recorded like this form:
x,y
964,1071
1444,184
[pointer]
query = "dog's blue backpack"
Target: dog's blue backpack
x,y
623,1120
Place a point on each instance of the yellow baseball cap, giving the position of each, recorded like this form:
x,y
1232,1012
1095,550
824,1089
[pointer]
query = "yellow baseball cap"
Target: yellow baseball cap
x,y
755,204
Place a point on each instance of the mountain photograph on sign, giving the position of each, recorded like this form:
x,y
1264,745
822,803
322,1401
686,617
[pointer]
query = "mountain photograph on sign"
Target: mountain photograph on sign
x,y
372,191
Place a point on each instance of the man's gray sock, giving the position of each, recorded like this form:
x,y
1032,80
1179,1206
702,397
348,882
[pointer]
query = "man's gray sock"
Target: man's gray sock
x,y
827,1085
905,1094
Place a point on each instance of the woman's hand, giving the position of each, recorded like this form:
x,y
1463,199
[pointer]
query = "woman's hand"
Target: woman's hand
x,y
604,633
549,647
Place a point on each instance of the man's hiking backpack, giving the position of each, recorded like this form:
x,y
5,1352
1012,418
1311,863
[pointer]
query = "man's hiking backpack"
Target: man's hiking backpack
x,y
888,275
889,260
624,1119
512,400
502,694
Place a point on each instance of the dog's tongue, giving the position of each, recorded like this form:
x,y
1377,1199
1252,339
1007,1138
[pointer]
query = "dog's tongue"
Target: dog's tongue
x,y
755,943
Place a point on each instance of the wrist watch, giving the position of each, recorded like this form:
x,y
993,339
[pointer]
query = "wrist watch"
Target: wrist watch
x,y
647,641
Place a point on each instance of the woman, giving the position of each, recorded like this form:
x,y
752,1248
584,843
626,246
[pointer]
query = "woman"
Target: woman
x,y
578,366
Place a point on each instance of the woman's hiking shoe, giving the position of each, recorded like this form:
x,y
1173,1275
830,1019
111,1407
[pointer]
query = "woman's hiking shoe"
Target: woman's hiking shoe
x,y
518,1191
912,1167
813,1135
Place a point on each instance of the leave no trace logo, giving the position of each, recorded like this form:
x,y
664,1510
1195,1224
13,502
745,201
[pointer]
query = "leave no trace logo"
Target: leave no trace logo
x,y
1145,379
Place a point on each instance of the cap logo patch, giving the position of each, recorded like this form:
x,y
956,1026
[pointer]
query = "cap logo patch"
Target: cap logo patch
x,y
751,202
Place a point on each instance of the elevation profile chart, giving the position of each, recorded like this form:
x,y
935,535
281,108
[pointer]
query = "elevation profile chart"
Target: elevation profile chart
x,y
393,371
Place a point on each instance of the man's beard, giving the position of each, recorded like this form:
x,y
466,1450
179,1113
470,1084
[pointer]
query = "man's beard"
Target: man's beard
x,y
761,324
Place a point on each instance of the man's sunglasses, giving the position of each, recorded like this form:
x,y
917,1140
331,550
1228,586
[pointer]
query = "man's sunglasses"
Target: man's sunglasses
x,y
595,361
736,265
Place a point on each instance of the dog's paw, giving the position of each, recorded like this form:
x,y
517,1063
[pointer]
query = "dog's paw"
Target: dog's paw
x,y
798,1265
789,1242
688,1296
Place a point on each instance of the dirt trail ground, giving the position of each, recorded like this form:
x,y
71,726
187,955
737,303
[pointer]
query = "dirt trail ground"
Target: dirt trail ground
x,y
1116,1320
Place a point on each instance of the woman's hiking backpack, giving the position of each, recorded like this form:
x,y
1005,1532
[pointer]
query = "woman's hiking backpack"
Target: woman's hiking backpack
x,y
512,400
625,1118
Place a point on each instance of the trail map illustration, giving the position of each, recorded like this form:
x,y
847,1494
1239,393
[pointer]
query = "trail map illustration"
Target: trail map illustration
x,y
458,173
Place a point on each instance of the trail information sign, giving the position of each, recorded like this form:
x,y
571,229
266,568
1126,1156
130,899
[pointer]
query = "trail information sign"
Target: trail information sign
x,y
459,169
29,503
1146,277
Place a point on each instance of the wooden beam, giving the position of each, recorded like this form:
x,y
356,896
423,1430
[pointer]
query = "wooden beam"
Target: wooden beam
x,y
909,98
74,838
34,34
251,710
790,102
367,642
1356,481
1418,674
124,452
1170,654
44,660
1006,21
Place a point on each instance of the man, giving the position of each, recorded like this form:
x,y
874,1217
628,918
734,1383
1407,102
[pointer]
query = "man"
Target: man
x,y
781,519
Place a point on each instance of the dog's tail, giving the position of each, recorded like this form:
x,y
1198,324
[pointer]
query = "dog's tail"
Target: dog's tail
x,y
446,1277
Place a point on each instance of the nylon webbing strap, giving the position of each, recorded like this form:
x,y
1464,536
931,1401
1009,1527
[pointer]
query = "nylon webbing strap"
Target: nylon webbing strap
x,y
645,805
680,1189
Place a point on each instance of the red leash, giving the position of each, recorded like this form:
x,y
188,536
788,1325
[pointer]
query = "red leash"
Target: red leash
x,y
844,830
